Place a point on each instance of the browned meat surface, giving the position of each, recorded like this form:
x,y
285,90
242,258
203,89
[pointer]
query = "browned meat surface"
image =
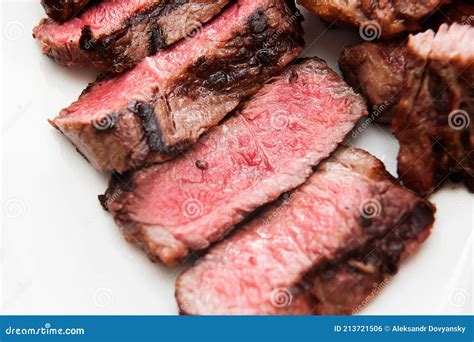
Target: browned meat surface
x,y
267,148
435,120
377,71
62,10
115,35
321,249
375,18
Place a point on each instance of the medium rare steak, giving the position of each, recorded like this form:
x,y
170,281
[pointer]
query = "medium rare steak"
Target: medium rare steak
x,y
267,148
321,249
377,71
115,35
375,18
62,10
435,120
165,103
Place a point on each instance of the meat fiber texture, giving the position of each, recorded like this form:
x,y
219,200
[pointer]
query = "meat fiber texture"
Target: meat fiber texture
x,y
115,35
168,101
435,119
377,71
375,19
321,249
267,148
63,10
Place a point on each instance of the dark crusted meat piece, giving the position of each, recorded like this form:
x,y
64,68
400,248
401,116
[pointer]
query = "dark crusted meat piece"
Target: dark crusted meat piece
x,y
435,120
377,71
375,18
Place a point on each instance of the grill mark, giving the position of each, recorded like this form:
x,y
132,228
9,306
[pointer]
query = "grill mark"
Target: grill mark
x,y
151,127
216,75
380,255
221,75
106,45
86,41
156,40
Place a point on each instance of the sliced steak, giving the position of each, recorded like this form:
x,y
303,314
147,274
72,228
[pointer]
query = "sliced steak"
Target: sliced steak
x,y
435,120
268,147
63,10
164,104
324,248
375,18
115,35
377,71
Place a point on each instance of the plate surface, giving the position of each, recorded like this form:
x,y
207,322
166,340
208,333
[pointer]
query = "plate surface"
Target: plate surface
x,y
62,254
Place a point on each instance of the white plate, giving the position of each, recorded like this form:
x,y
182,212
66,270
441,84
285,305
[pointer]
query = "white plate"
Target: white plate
x,y
62,254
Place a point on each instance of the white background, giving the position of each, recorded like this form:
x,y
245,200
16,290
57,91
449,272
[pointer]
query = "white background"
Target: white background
x,y
62,254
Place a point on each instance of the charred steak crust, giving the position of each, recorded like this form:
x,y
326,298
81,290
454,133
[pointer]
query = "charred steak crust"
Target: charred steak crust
x,y
155,24
63,10
377,71
434,124
266,148
193,98
375,19
363,226
110,47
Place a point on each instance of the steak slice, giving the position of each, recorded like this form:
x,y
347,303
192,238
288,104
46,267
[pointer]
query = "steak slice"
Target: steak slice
x,y
377,71
63,10
115,35
322,249
267,148
165,103
435,120
375,18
